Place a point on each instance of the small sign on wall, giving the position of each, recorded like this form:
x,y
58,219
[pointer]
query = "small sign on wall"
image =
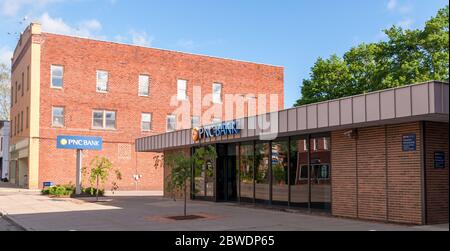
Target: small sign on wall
x,y
409,142
439,160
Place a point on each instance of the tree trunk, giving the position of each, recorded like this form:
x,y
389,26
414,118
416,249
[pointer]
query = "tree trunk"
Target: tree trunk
x,y
185,199
96,192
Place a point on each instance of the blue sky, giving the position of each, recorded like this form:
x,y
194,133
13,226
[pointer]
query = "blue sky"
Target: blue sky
x,y
289,33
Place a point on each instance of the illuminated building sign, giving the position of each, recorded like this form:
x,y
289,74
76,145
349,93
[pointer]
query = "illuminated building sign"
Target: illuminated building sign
x,y
217,130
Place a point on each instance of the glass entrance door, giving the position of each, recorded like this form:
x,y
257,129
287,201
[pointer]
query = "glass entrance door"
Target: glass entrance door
x,y
226,173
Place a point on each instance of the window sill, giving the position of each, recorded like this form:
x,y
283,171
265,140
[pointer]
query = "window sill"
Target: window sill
x,y
103,92
103,129
144,96
58,127
56,88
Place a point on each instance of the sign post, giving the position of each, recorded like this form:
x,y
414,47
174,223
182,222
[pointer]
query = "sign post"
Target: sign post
x,y
79,169
79,143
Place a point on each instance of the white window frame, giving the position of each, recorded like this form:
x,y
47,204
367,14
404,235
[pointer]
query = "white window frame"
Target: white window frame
x,y
192,121
180,91
104,112
97,81
140,94
63,116
175,122
51,76
216,121
214,95
142,122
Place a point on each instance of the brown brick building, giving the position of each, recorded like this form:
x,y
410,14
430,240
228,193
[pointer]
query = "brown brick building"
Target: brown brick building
x,y
378,156
65,85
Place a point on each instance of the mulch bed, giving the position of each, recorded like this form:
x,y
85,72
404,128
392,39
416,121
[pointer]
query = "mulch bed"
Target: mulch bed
x,y
187,217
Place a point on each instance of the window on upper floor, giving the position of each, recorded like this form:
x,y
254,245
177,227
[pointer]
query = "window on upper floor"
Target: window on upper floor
x,y
28,78
217,93
171,123
195,122
15,97
23,83
182,89
102,119
57,73
146,122
28,117
21,121
58,116
144,85
102,81
216,120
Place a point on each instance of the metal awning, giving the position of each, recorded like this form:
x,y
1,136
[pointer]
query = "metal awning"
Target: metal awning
x,y
419,102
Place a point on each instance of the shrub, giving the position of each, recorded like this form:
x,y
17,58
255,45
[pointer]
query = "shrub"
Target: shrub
x,y
92,191
59,191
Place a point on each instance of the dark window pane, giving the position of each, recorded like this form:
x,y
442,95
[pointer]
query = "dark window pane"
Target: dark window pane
x,y
280,189
299,172
262,171
246,172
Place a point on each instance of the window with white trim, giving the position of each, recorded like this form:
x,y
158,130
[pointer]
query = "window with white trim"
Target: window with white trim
x,y
146,122
102,119
57,116
57,73
195,122
217,93
102,81
171,123
181,89
144,84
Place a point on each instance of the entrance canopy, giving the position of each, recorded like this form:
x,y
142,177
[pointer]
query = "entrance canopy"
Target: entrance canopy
x,y
419,102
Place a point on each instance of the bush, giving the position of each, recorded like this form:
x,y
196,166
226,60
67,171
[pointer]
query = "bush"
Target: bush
x,y
92,191
59,191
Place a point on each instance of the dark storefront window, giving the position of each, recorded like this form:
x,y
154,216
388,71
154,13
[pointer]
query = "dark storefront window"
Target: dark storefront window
x,y
280,182
204,180
299,172
262,159
320,173
246,172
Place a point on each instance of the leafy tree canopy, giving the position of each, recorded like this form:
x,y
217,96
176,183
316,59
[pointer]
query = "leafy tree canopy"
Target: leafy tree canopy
x,y
408,56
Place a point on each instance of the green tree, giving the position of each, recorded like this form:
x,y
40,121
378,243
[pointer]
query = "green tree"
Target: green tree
x,y
5,92
407,56
99,173
181,168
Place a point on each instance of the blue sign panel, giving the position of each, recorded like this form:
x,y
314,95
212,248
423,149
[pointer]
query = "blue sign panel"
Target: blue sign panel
x,y
48,184
409,143
439,160
79,143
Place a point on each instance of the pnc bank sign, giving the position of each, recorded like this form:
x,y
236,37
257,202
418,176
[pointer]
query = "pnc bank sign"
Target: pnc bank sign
x,y
79,143
217,130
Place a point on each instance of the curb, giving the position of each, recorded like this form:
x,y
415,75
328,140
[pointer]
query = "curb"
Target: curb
x,y
12,221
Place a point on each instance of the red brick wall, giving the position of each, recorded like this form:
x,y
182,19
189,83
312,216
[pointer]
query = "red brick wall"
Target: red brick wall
x,y
81,58
371,165
436,139
372,181
343,175
404,176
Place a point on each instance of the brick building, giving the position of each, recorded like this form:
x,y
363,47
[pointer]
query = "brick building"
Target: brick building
x,y
378,156
64,85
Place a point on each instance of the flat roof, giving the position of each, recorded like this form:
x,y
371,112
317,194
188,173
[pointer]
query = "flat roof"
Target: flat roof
x,y
427,101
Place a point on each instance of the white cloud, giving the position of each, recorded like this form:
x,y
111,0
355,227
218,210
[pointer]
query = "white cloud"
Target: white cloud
x,y
392,4
10,8
405,23
87,28
186,44
141,38
5,55
401,7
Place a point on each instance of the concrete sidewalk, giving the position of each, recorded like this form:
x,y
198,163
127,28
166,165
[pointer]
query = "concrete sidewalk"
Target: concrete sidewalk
x,y
36,212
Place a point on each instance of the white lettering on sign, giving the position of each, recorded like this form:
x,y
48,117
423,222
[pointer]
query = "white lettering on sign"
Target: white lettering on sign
x,y
80,142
